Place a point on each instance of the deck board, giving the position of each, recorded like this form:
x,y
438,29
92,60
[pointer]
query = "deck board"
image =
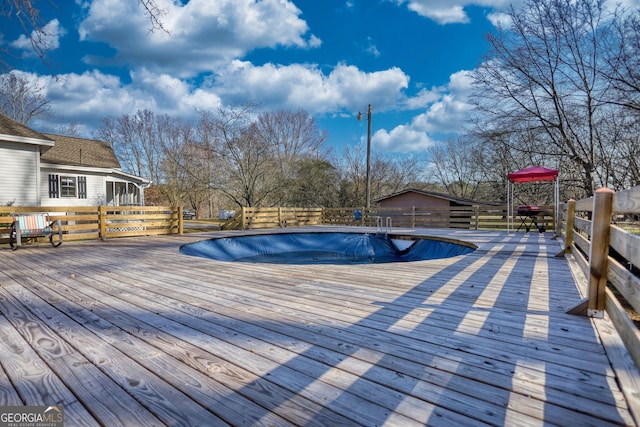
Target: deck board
x,y
130,332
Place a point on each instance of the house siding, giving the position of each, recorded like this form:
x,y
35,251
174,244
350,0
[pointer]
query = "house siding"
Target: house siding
x,y
28,158
19,165
96,189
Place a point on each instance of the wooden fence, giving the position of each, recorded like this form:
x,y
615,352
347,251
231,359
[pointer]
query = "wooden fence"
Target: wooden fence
x,y
464,217
609,256
102,222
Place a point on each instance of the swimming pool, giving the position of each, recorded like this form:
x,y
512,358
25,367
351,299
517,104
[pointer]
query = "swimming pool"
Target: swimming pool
x,y
326,248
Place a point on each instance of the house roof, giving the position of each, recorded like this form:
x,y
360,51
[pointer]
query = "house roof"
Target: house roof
x,y
10,130
80,152
458,200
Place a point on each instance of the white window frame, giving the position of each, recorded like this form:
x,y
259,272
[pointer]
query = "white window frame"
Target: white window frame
x,y
64,187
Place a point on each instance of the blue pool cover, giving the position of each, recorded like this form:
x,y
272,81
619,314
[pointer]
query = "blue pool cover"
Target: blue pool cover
x,y
322,248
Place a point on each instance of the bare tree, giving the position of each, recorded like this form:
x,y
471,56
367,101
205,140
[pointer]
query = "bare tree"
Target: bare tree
x,y
351,163
292,138
543,84
175,140
249,165
455,164
315,183
624,60
136,142
292,135
22,99
391,174
226,153
388,174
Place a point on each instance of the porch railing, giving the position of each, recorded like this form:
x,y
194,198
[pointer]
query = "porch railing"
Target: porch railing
x,y
102,222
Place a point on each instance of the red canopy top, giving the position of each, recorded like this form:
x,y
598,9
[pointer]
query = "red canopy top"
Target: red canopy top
x,y
533,173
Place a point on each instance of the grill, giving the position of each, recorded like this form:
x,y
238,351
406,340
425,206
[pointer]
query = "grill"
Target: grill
x,y
528,210
529,217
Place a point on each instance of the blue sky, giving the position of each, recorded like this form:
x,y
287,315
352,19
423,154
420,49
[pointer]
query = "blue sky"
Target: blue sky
x,y
410,59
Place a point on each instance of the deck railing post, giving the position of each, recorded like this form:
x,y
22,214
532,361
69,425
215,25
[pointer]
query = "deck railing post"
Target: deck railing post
x,y
599,252
243,218
557,219
102,222
180,220
568,240
571,217
476,212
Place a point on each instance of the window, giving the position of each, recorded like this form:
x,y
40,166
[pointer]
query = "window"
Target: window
x,y
67,186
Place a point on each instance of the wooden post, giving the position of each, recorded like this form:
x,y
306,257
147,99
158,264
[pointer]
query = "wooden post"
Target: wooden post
x,y
102,222
476,212
180,220
557,220
599,252
571,215
243,220
571,219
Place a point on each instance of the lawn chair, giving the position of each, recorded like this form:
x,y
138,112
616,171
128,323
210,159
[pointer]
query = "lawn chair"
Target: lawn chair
x,y
33,226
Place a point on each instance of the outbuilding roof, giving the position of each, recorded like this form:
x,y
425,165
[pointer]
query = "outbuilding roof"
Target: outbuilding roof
x,y
454,199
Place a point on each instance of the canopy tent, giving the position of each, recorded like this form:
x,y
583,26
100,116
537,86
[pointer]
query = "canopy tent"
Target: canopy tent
x,y
530,174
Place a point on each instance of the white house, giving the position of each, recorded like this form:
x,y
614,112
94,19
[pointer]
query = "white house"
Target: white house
x,y
52,170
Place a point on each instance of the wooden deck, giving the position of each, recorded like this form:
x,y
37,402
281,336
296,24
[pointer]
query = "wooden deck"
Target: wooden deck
x,y
130,332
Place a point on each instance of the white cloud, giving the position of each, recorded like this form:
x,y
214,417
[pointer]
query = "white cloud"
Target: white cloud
x,y
314,42
88,97
444,15
401,139
423,98
449,113
203,33
48,38
306,86
500,19
451,11
372,49
454,11
446,113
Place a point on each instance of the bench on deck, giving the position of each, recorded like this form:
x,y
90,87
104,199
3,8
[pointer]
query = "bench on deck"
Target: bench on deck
x,y
32,226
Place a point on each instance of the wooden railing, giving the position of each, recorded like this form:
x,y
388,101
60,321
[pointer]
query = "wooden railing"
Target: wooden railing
x,y
102,222
609,256
254,218
481,217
